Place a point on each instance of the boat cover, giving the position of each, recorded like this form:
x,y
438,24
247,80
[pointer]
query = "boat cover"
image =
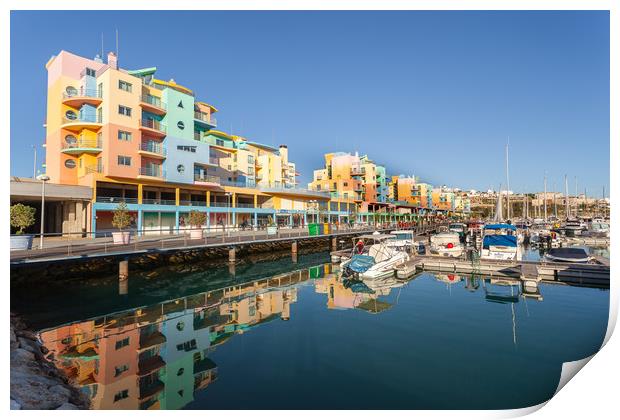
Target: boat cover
x,y
499,240
357,287
361,263
568,254
500,226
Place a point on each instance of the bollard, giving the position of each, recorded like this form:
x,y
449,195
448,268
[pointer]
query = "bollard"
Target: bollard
x,y
123,277
334,244
232,254
294,247
232,268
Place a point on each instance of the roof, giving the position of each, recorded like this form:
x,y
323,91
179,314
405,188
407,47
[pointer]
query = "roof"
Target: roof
x,y
376,237
142,72
214,109
263,146
500,226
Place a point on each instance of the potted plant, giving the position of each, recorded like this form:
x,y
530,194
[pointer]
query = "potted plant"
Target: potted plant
x,y
121,220
272,228
22,217
196,219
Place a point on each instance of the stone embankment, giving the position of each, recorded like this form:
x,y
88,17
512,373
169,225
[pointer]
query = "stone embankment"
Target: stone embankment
x,y
36,384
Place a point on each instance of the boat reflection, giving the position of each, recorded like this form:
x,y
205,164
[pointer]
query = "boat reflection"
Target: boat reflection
x,y
159,356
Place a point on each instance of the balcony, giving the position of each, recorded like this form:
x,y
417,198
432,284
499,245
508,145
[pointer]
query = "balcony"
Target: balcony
x,y
152,104
159,202
204,120
153,127
214,161
202,179
78,123
82,146
150,364
357,171
151,172
152,149
75,98
151,340
204,365
149,390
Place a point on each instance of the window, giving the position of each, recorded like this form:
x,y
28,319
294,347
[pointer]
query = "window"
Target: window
x,y
90,72
118,370
70,139
345,184
124,135
66,340
121,395
71,91
180,104
181,125
123,85
180,371
250,159
71,115
124,160
229,167
122,343
69,163
100,90
180,169
187,148
124,110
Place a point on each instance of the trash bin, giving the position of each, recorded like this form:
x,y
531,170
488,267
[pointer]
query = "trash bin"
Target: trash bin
x,y
326,229
313,229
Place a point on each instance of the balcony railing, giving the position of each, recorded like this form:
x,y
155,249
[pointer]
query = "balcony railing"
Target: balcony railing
x,y
93,169
201,116
207,178
81,93
128,200
153,124
83,144
82,120
155,148
152,100
154,171
159,201
214,160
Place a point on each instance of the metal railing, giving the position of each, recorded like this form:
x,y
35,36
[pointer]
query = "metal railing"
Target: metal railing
x,y
153,124
214,160
207,178
61,245
201,116
152,100
93,169
83,144
152,147
159,201
82,120
154,171
128,200
82,93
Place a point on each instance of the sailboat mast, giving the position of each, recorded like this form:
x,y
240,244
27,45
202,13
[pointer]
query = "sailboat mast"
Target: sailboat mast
x,y
545,198
576,199
567,207
555,204
507,183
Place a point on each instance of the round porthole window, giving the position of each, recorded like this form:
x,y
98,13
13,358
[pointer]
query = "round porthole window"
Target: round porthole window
x,y
70,115
180,372
181,125
70,139
70,163
180,325
180,169
71,91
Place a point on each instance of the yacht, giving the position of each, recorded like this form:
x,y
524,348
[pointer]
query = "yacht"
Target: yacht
x,y
446,244
404,240
375,261
573,227
459,228
598,227
499,242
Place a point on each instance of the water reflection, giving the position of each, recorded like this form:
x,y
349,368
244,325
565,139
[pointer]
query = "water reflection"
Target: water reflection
x,y
160,356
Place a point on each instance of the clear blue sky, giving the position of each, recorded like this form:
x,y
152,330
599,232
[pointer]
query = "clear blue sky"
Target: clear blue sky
x,y
435,94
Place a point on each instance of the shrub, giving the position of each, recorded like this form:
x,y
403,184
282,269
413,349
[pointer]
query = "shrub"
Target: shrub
x,y
197,218
121,218
22,217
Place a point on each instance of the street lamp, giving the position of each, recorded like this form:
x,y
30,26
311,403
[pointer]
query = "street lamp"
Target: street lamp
x,y
43,178
229,203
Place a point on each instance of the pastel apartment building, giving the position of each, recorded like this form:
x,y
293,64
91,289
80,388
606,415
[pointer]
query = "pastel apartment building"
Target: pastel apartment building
x,y
154,145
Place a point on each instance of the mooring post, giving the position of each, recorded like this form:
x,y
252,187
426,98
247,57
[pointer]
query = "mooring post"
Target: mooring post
x,y
232,254
232,268
123,276
294,247
334,244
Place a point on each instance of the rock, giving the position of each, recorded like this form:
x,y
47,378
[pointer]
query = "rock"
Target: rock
x,y
68,406
61,390
21,356
15,405
29,345
32,392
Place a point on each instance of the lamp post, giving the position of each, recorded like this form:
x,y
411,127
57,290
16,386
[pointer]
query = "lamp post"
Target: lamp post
x,y
43,178
229,203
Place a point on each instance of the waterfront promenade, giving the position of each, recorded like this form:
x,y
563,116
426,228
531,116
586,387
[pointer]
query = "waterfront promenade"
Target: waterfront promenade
x,y
68,248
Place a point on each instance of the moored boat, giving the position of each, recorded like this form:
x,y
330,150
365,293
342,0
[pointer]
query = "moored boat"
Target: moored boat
x,y
500,242
568,255
446,244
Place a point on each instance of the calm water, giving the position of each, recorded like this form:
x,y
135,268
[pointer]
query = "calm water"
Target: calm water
x,y
294,335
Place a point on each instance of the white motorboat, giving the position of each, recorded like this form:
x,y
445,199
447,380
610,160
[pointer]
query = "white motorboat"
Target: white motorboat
x,y
599,227
500,242
375,261
446,244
